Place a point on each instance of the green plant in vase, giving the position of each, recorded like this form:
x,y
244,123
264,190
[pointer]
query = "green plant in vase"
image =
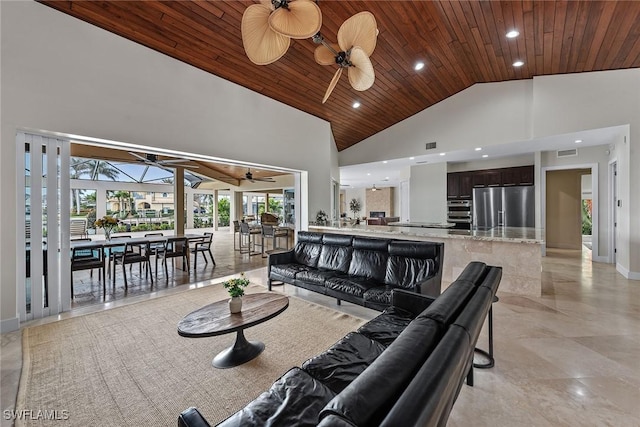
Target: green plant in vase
x,y
235,287
108,223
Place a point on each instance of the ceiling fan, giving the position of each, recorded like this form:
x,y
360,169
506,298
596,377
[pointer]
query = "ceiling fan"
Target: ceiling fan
x,y
357,38
152,160
249,177
268,26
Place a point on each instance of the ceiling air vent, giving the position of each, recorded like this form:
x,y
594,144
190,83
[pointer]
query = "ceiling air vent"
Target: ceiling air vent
x,y
431,145
568,153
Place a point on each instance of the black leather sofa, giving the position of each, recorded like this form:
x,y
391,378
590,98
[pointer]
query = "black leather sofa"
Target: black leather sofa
x,y
361,270
405,367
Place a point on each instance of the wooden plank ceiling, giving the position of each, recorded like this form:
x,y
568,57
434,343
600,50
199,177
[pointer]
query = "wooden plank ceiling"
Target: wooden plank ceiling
x,y
461,43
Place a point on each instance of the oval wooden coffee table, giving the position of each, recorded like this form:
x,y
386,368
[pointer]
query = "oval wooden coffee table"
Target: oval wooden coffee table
x,y
215,319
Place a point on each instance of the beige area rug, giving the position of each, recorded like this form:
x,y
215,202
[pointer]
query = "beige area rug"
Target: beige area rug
x,y
129,366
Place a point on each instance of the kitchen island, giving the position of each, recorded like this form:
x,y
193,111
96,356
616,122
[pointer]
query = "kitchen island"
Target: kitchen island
x,y
517,250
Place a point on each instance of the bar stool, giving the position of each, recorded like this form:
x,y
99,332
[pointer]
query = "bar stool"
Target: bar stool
x,y
488,355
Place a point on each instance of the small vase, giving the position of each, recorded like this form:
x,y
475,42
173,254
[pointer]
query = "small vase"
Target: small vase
x,y
235,304
107,234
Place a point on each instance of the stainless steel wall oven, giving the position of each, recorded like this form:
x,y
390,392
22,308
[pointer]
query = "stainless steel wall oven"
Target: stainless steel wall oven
x,y
460,213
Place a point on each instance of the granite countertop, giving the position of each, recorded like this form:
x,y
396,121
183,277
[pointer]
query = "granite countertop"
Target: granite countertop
x,y
498,234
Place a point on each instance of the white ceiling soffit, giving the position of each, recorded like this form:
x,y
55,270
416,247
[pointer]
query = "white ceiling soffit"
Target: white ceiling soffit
x,y
390,172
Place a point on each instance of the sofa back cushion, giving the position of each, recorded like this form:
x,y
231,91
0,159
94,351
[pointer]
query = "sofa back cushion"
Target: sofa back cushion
x,y
307,249
411,262
448,305
428,399
371,395
369,258
307,253
336,252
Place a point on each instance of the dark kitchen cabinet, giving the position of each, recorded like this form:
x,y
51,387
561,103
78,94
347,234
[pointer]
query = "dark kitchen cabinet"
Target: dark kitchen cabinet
x,y
459,185
487,178
527,175
521,175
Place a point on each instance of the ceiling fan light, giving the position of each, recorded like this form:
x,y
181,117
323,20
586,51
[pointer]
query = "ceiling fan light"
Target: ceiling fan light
x,y
301,19
374,188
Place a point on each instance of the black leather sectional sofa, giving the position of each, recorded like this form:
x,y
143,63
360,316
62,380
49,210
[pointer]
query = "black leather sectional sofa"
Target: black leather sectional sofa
x,y
405,367
361,270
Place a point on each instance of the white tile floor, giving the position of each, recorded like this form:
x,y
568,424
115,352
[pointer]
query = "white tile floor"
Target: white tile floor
x,y
570,357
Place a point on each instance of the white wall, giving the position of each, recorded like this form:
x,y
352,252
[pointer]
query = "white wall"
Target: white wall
x,y
588,156
60,74
492,163
495,113
466,119
575,102
429,193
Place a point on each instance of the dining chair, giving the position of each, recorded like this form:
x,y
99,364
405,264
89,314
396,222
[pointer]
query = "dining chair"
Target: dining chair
x,y
155,246
133,253
115,251
89,258
269,232
201,247
248,238
236,229
174,247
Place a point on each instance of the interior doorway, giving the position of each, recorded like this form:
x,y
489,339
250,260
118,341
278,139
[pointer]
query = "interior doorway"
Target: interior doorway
x,y
566,212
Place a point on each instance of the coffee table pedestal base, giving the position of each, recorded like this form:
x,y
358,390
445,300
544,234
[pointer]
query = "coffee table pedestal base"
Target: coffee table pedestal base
x,y
240,352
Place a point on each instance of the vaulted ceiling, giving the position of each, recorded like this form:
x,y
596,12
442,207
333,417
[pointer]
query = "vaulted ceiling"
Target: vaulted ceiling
x,y
460,42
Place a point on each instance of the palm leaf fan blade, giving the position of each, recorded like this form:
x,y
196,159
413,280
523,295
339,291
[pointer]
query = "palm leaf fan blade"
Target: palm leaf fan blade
x,y
300,20
261,44
359,30
361,74
324,56
332,85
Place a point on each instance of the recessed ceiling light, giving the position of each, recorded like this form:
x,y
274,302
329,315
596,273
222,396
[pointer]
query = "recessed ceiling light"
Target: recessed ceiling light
x,y
442,154
411,158
356,104
518,63
385,161
485,155
386,177
419,66
578,141
368,174
512,34
478,148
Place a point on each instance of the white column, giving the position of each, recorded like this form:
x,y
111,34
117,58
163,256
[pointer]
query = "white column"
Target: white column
x,y
215,210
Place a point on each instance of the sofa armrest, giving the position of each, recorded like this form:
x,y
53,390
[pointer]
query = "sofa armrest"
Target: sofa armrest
x,y
430,286
410,301
281,257
191,417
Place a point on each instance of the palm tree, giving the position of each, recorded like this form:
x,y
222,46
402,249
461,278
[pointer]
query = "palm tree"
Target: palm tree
x,y
91,168
124,199
78,168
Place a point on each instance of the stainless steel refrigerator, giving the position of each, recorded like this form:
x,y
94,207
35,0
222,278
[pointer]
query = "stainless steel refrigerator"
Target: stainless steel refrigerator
x,y
504,207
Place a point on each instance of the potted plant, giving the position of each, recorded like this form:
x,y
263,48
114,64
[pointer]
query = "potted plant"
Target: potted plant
x,y
108,223
322,218
355,206
235,287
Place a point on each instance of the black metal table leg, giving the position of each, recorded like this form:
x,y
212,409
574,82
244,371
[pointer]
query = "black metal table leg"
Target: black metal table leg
x,y
240,352
487,354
